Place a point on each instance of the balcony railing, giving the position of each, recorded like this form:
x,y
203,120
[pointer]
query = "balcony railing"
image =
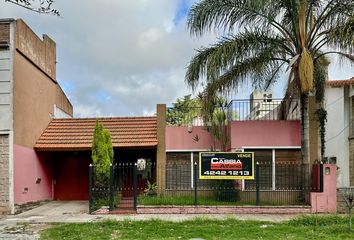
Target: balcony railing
x,y
240,110
264,109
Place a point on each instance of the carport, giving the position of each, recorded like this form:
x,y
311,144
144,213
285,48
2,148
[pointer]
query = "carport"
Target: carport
x,y
68,143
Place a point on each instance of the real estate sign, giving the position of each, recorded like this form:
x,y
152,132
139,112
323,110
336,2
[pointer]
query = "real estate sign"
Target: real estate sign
x,y
226,165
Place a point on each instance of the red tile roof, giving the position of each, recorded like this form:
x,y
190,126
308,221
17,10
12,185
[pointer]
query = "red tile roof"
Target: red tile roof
x,y
77,133
339,83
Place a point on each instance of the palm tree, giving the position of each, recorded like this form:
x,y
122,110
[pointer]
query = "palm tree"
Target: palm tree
x,y
264,38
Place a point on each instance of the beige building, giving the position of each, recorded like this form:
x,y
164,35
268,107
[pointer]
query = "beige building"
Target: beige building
x,y
30,97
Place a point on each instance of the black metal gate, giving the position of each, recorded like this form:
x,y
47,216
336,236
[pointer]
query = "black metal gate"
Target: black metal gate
x,y
126,182
123,186
118,193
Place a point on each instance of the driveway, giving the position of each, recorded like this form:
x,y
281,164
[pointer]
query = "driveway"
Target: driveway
x,y
57,208
27,225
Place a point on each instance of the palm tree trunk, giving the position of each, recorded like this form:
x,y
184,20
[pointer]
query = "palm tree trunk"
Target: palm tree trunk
x,y
305,131
305,145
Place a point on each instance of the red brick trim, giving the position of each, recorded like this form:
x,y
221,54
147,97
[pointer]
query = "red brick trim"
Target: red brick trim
x,y
223,210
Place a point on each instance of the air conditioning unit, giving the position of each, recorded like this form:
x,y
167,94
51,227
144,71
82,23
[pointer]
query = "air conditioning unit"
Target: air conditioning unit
x,y
267,97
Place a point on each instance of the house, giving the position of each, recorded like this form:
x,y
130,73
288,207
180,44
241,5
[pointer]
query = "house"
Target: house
x,y
45,153
30,97
339,103
273,140
67,145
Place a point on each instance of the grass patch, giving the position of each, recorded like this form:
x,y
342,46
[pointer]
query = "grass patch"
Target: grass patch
x,y
307,227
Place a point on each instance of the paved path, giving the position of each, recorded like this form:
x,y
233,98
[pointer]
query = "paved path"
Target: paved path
x,y
28,224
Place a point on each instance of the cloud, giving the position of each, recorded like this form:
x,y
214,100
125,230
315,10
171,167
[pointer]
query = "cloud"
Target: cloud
x,y
118,57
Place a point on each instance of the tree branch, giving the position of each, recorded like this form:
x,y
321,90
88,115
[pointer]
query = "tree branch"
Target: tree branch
x,y
45,6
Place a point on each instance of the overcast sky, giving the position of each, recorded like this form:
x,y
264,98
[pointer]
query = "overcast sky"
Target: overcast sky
x,y
122,57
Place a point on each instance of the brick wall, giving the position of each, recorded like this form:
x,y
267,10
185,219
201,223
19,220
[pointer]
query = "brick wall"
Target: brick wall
x,y
4,173
341,204
223,210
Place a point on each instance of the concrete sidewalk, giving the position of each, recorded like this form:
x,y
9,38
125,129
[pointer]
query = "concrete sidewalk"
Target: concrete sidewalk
x,y
77,211
27,225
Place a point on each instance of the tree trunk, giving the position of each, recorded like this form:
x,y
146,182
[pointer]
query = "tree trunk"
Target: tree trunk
x,y
305,131
305,145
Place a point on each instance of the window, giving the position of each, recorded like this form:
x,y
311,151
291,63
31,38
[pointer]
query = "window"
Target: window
x,y
279,169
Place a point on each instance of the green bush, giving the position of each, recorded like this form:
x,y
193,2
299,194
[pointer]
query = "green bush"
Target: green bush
x,y
104,201
226,191
102,153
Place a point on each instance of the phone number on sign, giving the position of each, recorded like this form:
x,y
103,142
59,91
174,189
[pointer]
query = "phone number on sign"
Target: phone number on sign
x,y
227,173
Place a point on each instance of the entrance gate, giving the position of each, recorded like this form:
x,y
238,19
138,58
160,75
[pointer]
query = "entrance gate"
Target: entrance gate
x,y
127,181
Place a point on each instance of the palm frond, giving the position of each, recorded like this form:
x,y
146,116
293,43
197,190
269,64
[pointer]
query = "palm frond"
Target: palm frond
x,y
209,14
226,15
260,71
212,62
269,34
341,36
334,14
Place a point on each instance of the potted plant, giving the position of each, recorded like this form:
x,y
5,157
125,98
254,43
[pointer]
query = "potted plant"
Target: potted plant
x,y
151,189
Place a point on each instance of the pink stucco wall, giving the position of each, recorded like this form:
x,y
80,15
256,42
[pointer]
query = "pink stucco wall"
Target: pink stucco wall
x,y
178,138
265,134
242,134
29,167
326,201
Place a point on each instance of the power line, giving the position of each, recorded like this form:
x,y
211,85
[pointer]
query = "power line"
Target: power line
x,y
337,134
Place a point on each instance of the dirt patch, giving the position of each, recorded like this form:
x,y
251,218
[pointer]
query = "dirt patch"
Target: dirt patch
x,y
25,228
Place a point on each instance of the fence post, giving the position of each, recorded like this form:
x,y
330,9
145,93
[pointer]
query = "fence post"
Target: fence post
x,y
135,185
257,184
195,184
321,177
111,174
90,187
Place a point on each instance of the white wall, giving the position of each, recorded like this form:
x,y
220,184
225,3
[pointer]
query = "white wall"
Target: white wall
x,y
337,131
5,90
6,111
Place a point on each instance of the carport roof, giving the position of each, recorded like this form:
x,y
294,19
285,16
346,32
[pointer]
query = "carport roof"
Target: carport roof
x,y
77,133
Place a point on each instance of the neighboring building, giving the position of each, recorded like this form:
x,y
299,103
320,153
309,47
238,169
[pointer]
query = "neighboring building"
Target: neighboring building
x,y
339,103
30,97
273,140
261,105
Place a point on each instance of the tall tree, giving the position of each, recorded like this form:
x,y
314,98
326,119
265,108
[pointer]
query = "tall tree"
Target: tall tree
x,y
215,113
184,111
39,6
264,38
102,153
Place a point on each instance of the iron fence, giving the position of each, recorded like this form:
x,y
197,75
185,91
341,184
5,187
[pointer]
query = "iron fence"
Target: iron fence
x,y
130,186
240,110
264,109
99,192
284,183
